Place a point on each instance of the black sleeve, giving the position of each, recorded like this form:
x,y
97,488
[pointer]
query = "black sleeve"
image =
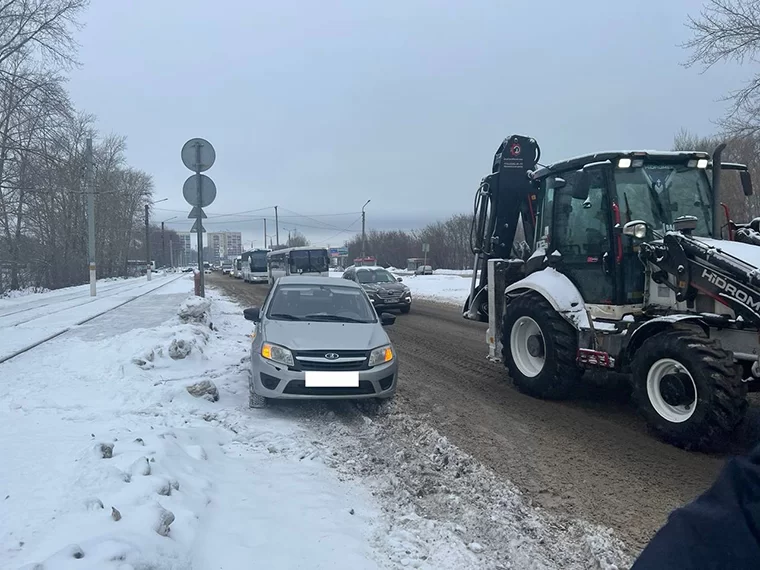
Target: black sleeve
x,y
719,529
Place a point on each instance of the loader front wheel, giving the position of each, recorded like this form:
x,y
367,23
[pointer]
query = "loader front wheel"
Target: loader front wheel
x,y
688,389
539,348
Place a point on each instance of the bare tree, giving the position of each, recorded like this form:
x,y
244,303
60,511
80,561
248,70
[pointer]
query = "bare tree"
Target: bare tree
x,y
42,29
296,239
729,30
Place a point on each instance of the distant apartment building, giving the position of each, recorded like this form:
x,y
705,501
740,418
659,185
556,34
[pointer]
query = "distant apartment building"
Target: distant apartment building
x,y
185,244
224,245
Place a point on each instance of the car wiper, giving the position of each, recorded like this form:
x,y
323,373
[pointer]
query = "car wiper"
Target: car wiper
x,y
285,316
336,318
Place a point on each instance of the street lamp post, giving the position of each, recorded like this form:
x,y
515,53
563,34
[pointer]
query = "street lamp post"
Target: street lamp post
x,y
364,237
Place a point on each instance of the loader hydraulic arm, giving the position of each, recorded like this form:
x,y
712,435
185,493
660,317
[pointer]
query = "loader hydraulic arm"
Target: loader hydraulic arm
x,y
695,266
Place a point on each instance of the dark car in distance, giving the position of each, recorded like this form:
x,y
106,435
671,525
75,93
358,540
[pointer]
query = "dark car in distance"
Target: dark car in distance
x,y
383,289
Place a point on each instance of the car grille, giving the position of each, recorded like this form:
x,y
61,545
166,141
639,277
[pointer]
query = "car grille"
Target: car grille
x,y
298,387
347,360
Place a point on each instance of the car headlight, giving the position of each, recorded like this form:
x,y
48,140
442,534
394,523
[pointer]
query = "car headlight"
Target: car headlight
x,y
277,353
381,355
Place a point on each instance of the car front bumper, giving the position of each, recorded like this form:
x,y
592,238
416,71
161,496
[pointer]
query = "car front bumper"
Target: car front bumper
x,y
278,382
380,303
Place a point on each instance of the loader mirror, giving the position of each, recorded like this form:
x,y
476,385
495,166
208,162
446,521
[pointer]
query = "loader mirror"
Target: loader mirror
x,y
746,179
582,186
559,183
635,228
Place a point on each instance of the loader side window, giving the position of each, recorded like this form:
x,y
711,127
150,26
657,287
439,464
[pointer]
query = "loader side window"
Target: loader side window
x,y
581,233
581,225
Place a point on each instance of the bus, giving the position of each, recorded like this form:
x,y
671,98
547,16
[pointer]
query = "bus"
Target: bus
x,y
255,266
297,261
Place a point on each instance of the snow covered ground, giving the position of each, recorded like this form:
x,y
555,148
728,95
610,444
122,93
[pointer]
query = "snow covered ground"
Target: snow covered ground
x,y
33,318
445,286
127,444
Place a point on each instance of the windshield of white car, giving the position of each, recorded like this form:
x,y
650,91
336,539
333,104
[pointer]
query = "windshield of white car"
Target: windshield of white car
x,y
374,276
320,303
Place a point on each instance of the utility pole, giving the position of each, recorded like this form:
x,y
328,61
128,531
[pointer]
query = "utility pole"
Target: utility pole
x,y
364,237
90,216
276,226
147,240
265,233
171,253
163,245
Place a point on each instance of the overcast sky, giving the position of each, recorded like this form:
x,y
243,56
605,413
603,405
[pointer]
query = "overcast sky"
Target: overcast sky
x,y
320,106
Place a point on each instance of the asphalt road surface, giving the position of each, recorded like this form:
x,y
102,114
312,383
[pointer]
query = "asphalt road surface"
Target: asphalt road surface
x,y
591,457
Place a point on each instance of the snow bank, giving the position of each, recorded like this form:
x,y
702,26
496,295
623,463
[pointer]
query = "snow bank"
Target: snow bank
x,y
449,289
117,465
16,293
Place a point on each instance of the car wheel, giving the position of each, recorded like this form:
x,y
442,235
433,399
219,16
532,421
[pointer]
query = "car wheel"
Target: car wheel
x,y
255,400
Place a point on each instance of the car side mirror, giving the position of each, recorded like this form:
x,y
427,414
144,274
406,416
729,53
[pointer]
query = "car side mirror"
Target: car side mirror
x,y
252,314
746,180
387,319
399,279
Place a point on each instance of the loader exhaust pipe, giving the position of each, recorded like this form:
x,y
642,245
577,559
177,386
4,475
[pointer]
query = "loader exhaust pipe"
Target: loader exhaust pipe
x,y
716,173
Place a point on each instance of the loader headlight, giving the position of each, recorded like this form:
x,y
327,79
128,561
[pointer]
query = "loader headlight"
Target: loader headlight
x,y
624,163
381,355
636,228
277,353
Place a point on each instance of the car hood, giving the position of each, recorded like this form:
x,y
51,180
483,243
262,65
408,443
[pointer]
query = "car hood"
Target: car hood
x,y
305,335
376,287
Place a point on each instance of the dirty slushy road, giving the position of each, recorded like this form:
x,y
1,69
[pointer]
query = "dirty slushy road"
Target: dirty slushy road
x,y
590,457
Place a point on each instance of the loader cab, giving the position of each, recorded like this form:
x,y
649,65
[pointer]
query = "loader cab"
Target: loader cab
x,y
586,201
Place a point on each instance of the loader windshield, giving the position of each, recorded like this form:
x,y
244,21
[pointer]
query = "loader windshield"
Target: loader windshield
x,y
661,193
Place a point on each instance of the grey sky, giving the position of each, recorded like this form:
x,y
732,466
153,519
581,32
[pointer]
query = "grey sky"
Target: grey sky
x,y
319,106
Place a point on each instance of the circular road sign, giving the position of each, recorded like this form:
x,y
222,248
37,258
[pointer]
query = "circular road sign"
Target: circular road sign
x,y
190,155
190,191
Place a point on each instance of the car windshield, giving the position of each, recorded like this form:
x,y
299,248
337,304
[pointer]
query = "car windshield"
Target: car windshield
x,y
258,261
660,193
308,261
374,276
321,303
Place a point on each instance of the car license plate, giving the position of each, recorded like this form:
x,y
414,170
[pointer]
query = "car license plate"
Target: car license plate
x,y
324,379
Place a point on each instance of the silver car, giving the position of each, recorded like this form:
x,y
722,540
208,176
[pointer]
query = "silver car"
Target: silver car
x,y
320,337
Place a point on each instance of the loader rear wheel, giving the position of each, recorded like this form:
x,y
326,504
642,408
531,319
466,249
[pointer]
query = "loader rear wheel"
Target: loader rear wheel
x,y
688,389
539,348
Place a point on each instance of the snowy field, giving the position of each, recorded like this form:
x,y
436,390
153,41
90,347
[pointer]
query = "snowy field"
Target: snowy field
x,y
127,444
444,286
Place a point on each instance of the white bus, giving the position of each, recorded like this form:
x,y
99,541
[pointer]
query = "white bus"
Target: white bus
x,y
305,260
255,266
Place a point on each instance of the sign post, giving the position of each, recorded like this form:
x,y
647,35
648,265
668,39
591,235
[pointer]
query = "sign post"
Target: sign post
x,y
199,191
425,250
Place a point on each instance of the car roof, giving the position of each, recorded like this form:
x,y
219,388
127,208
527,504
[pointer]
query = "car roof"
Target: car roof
x,y
315,280
369,267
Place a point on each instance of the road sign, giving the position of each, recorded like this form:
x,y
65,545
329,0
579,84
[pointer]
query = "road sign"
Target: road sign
x,y
195,226
196,212
425,248
190,190
190,155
